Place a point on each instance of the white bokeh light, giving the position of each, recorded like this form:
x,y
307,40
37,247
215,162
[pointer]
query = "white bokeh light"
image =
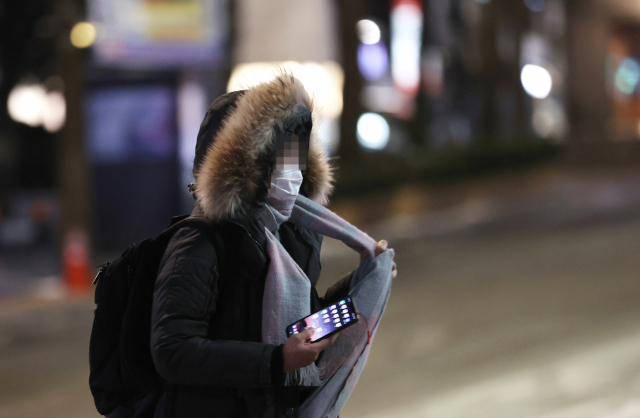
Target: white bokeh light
x,y
54,113
26,103
329,135
32,105
368,31
406,43
536,81
372,131
323,81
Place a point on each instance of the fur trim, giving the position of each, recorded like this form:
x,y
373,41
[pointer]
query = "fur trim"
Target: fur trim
x,y
229,177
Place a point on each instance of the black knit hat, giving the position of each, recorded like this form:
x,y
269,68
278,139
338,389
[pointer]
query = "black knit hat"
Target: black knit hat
x,y
212,124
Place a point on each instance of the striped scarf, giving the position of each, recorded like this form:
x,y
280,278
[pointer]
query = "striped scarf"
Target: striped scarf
x,y
287,298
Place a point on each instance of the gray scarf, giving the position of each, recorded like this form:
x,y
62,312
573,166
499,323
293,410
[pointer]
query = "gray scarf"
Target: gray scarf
x,y
287,298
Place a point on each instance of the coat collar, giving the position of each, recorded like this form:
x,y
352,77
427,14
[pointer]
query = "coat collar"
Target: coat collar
x,y
253,226
250,223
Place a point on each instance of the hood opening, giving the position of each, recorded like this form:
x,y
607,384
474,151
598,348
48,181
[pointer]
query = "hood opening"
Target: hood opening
x,y
236,147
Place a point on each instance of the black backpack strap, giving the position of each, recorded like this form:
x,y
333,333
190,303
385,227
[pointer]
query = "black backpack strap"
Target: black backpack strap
x,y
213,231
178,222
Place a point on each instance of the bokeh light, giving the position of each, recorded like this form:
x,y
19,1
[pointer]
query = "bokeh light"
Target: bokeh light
x,y
83,35
373,131
373,60
536,81
549,118
323,81
628,76
32,105
26,103
368,31
329,135
54,113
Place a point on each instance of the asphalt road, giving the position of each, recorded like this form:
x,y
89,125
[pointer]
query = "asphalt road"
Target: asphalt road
x,y
501,323
510,324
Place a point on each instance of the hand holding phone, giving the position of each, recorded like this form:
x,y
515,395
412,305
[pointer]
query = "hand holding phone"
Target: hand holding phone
x,y
299,352
316,332
327,321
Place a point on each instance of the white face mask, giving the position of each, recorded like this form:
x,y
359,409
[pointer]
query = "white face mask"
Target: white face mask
x,y
285,186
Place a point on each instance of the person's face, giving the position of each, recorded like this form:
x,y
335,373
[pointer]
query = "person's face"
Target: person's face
x,y
291,152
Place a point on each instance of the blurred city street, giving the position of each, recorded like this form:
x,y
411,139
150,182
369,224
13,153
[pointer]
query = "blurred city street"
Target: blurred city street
x,y
532,313
526,324
495,144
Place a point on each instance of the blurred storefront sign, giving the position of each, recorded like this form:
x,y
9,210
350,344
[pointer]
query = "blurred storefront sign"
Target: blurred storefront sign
x,y
406,45
154,70
130,124
159,32
132,149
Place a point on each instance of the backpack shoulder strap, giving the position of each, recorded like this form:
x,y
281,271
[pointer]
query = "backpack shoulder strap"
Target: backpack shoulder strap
x,y
212,231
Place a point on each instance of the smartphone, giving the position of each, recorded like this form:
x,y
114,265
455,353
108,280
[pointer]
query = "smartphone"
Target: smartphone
x,y
327,321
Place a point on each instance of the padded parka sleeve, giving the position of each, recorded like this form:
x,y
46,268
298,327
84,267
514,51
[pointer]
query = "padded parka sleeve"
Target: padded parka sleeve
x,y
184,300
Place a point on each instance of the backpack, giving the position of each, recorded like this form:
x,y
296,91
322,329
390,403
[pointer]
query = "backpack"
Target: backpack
x,y
121,368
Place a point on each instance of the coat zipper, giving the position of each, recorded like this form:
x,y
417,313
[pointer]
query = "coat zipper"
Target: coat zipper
x,y
247,231
102,268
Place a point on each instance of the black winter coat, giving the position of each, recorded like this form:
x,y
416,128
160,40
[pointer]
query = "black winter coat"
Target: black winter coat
x,y
207,320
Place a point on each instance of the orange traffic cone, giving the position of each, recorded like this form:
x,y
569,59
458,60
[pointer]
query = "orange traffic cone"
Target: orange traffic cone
x,y
75,259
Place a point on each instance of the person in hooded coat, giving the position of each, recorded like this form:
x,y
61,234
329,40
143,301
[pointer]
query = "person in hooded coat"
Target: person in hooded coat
x,y
207,303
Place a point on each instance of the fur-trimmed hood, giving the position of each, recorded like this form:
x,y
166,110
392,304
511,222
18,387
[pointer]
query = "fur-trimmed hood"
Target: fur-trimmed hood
x,y
236,140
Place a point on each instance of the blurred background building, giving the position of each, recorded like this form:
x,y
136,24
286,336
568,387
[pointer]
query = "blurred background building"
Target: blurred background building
x,y
101,101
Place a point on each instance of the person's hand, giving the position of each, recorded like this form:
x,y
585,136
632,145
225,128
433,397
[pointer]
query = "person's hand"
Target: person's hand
x,y
380,248
298,351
